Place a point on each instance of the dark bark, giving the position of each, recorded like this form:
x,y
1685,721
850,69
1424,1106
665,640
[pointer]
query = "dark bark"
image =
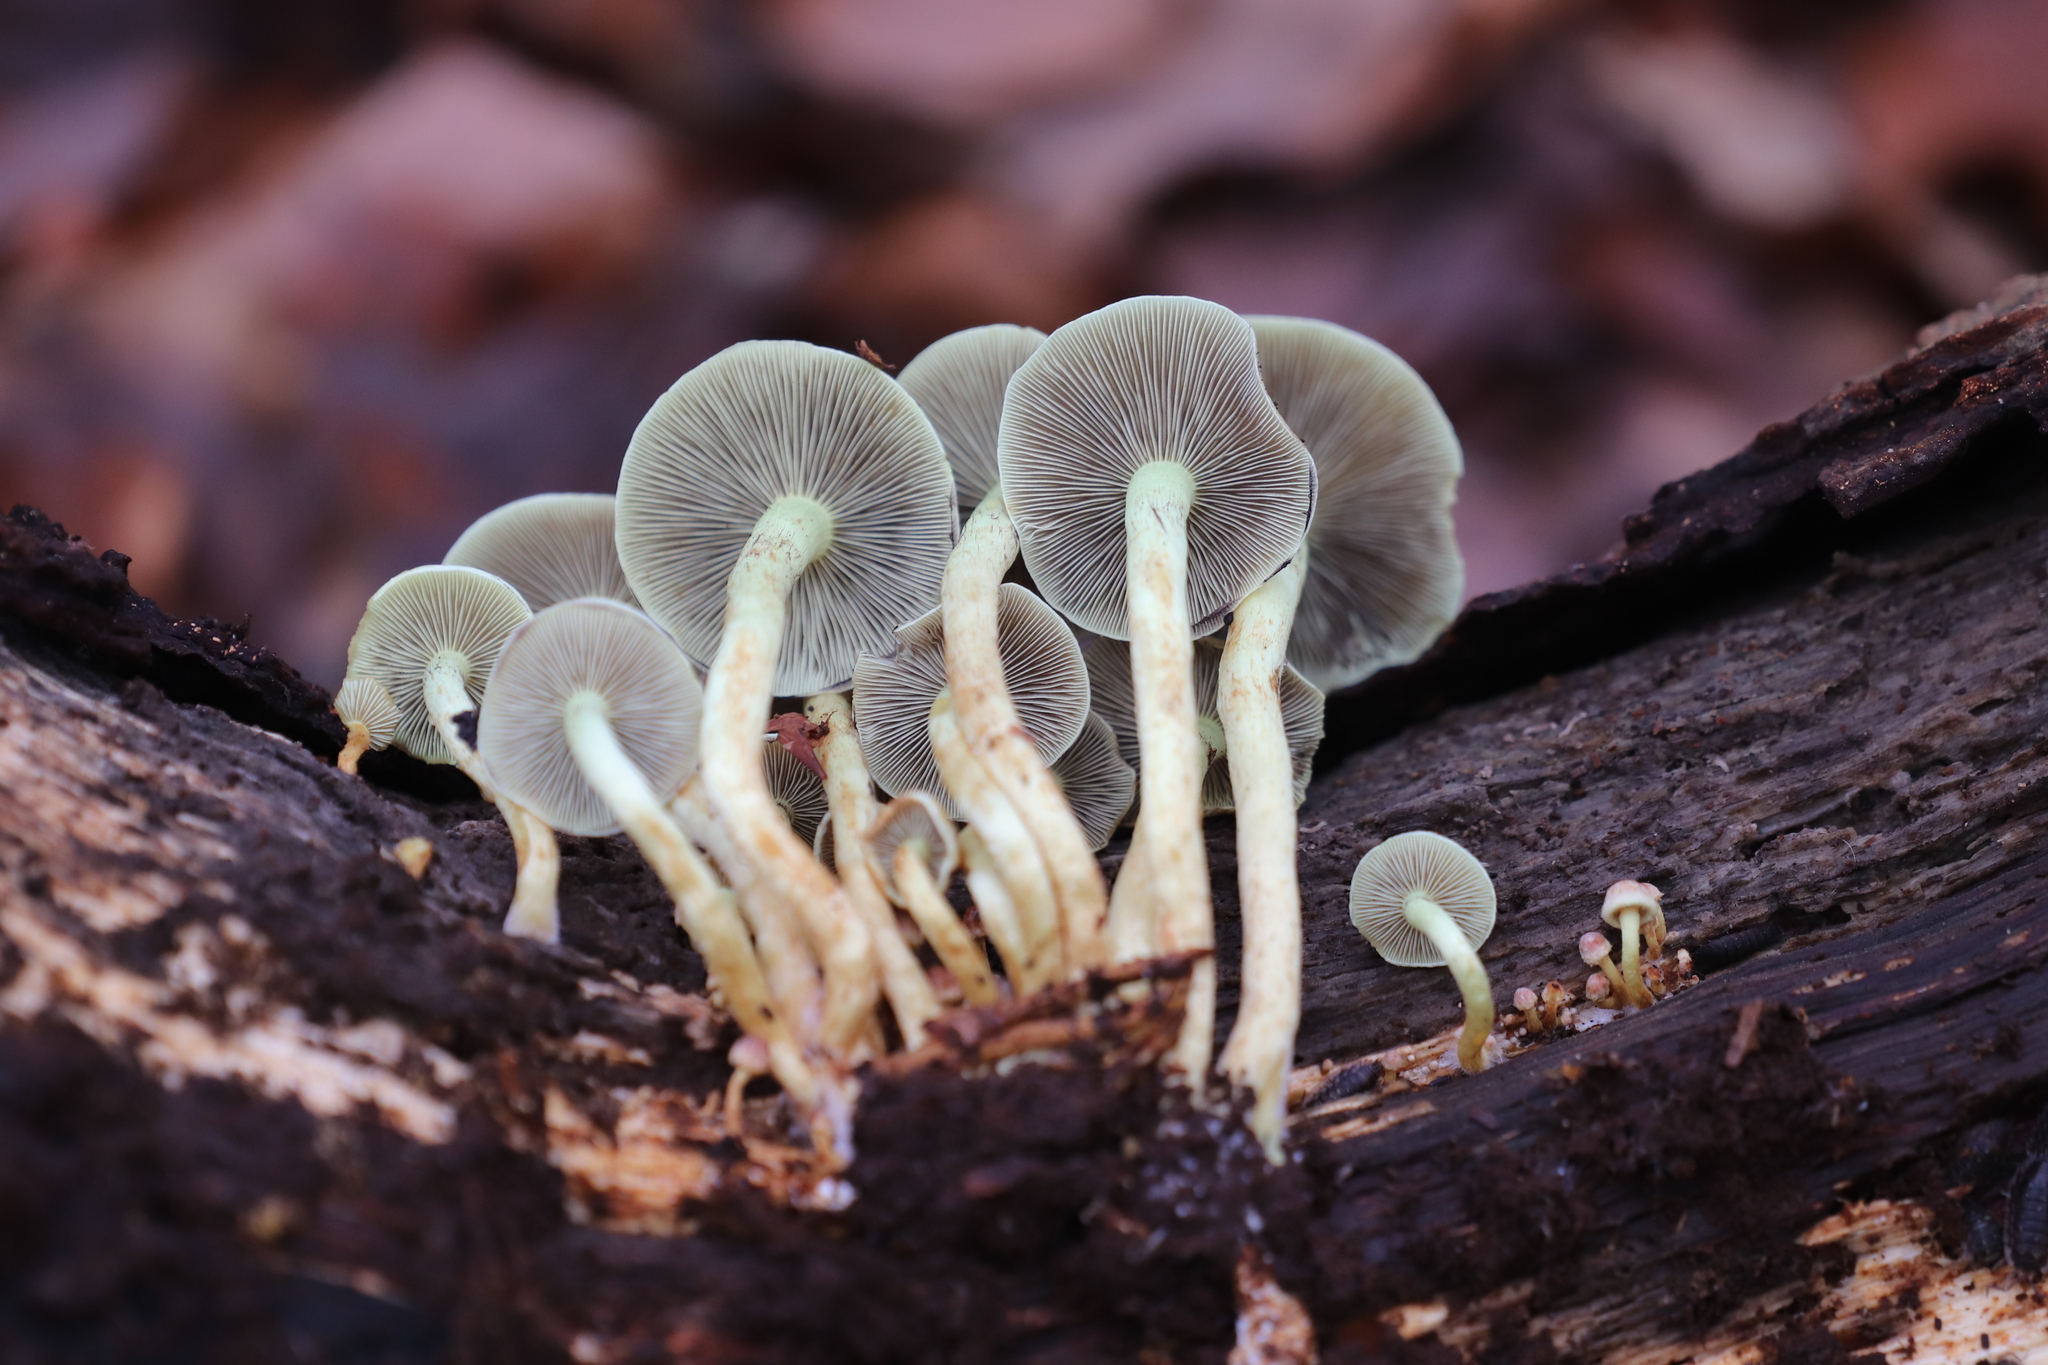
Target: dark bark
x,y
263,1092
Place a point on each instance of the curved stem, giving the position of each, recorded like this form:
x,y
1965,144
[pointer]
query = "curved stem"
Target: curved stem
x,y
353,751
704,909
1631,921
942,927
1156,507
1129,936
779,882
1466,969
1009,843
852,802
1261,1045
995,733
992,899
534,912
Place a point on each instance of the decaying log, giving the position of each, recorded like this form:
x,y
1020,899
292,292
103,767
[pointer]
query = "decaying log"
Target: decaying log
x,y
266,1094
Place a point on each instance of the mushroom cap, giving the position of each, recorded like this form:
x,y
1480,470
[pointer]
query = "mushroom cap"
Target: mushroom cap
x,y
1525,999
1439,868
959,381
1624,895
893,693
1151,378
420,615
795,788
1594,948
361,701
587,644
1099,785
1301,713
765,420
551,546
913,815
1384,574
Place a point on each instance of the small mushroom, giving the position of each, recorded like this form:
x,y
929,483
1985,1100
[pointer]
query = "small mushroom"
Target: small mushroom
x,y
1152,485
429,638
960,382
1422,901
912,850
1595,951
782,508
1598,988
552,547
1096,781
590,720
369,715
1556,996
1628,906
1525,1002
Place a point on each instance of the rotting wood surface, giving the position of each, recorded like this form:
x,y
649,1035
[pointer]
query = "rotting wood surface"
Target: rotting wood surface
x,y
260,1087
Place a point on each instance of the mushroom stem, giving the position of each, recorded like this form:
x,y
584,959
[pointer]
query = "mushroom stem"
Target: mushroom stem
x,y
778,880
1009,845
1156,506
352,752
1261,1042
942,927
1130,932
533,912
1634,992
1465,968
704,909
995,733
992,899
852,803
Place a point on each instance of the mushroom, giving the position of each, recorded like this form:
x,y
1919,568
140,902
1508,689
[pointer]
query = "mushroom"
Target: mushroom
x,y
1596,951
1383,576
782,508
912,851
370,716
591,716
1096,781
1525,1002
1152,485
960,381
1422,901
852,808
551,546
1301,716
796,791
1628,905
1556,995
429,638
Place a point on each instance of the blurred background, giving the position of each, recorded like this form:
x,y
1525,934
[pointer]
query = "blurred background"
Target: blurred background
x,y
291,292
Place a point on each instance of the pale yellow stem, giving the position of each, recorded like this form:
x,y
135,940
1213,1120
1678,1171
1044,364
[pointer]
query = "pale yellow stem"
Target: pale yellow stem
x,y
352,752
1131,936
1261,1046
934,914
535,912
1009,843
992,899
1631,958
779,882
1170,766
996,735
852,802
1465,968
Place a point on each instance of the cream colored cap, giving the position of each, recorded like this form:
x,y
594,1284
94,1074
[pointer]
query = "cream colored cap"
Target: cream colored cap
x,y
366,703
441,611
912,816
1440,869
959,381
552,547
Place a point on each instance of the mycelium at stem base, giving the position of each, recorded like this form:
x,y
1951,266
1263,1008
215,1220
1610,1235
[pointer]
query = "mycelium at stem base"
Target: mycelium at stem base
x,y
782,885
1261,1045
1465,968
1175,867
995,733
534,912
704,909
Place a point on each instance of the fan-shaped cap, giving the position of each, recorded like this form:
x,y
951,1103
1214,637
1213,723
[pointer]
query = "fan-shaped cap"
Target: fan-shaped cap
x,y
913,815
1437,867
1631,895
893,693
794,787
1301,713
1099,785
422,614
1154,378
587,645
366,703
765,420
1384,574
551,546
959,380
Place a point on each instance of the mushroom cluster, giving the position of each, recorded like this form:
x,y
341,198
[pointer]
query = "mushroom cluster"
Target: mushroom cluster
x,y
789,524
